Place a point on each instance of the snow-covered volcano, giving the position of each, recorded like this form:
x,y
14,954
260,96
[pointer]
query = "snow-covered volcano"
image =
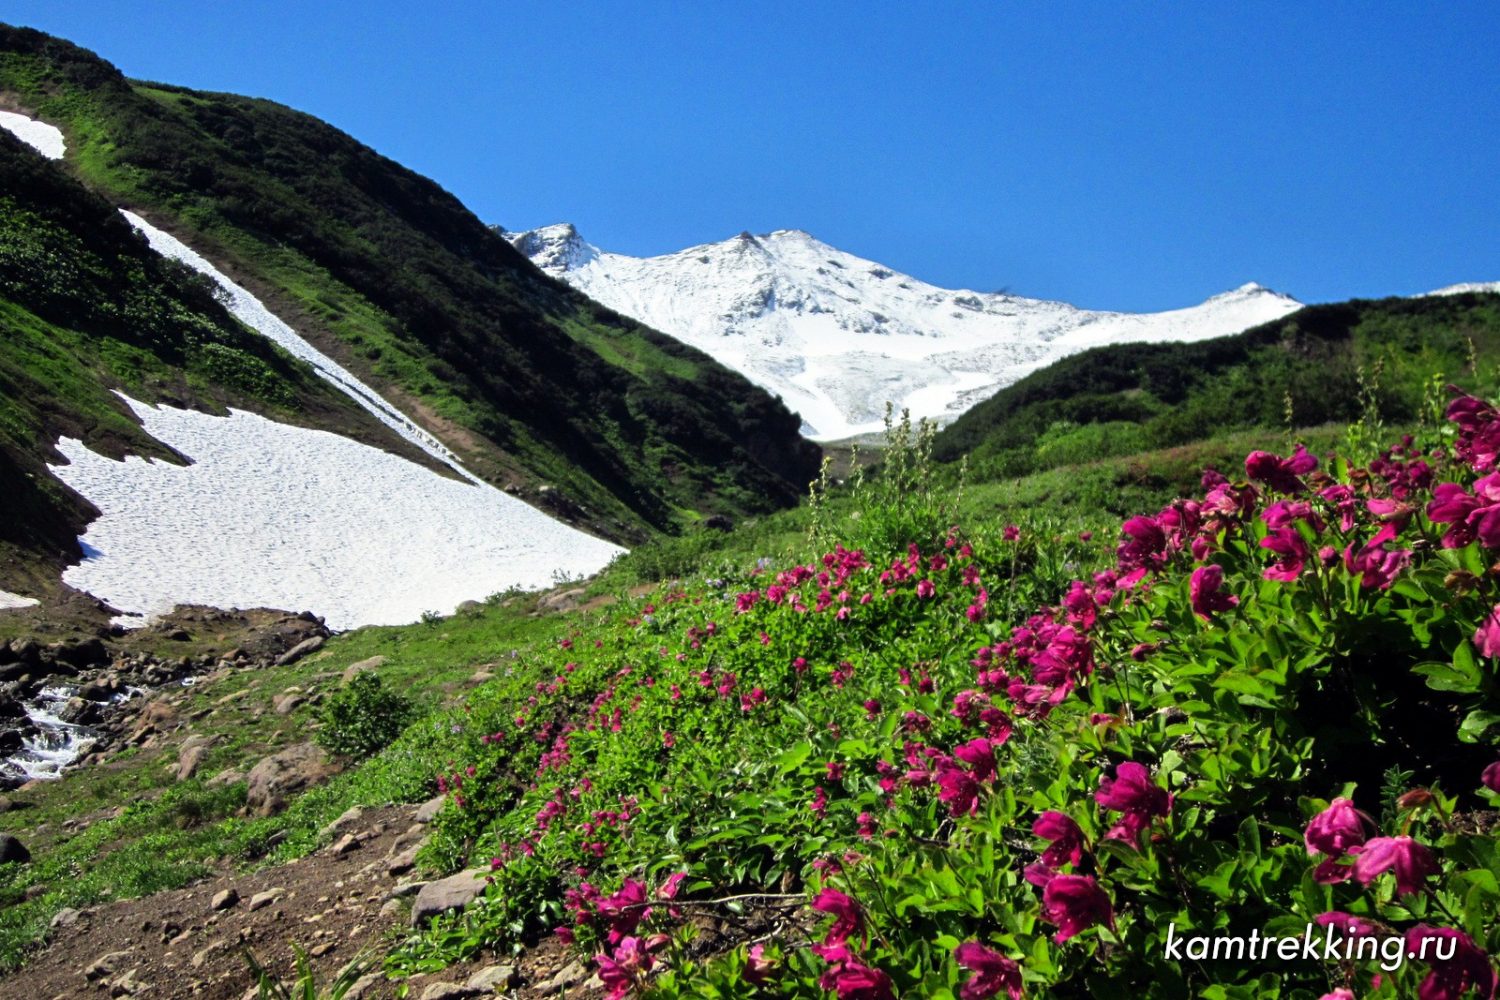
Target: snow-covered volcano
x,y
836,336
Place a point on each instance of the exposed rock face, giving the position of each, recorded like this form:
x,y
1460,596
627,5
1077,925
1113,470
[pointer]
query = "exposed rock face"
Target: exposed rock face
x,y
278,777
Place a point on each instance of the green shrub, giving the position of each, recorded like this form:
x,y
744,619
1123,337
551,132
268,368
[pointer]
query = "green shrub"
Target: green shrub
x,y
364,718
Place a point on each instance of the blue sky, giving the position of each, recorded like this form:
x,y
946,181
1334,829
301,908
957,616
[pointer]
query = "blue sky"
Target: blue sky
x,y
1126,156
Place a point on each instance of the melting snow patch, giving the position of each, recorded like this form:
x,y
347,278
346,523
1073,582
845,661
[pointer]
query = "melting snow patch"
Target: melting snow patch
x,y
9,601
45,139
253,313
279,516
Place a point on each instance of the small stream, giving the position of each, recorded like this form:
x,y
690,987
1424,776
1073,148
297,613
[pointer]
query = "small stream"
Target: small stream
x,y
50,744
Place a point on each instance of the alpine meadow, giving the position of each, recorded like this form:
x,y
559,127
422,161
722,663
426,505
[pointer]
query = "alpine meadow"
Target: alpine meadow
x,y
398,604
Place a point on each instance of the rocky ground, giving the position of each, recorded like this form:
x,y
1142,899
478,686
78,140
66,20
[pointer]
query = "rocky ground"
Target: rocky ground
x,y
112,675
343,903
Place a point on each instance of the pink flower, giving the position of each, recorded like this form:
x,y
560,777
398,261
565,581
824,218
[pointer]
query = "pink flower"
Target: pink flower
x,y
845,912
1491,777
853,981
671,886
1335,832
1075,903
1376,566
758,967
993,972
1487,638
979,754
1409,860
1291,552
1011,533
925,588
1336,829
1281,474
1205,594
1065,836
957,789
1466,967
1339,994
1132,792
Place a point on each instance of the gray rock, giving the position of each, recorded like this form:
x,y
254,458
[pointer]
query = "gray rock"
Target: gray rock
x,y
261,900
446,894
494,979
224,899
404,889
349,817
300,650
278,777
569,975
353,670
190,757
427,811
347,844
363,986
12,849
66,917
105,965
447,991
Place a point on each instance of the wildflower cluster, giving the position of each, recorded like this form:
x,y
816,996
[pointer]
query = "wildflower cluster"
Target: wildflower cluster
x,y
871,734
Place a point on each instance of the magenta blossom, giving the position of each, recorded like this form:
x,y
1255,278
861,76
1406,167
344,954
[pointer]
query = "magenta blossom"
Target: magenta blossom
x,y
1132,792
758,968
993,972
854,981
1291,554
1491,777
1281,474
845,912
979,754
1457,964
1205,593
1335,832
1375,565
1065,836
1487,637
1075,903
1409,860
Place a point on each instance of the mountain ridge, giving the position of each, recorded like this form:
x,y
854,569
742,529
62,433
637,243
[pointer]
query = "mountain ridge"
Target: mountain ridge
x,y
782,307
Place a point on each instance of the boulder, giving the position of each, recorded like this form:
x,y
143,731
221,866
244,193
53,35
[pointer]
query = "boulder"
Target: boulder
x,y
300,650
427,811
278,777
447,894
12,849
191,755
448,991
493,979
353,670
224,899
562,600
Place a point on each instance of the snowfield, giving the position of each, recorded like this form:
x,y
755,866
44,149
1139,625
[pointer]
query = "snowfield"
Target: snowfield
x,y
272,515
45,139
835,335
1467,286
9,601
252,312
280,516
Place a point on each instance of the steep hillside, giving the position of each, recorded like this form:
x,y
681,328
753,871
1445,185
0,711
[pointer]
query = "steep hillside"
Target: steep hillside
x,y
600,420
836,335
1320,364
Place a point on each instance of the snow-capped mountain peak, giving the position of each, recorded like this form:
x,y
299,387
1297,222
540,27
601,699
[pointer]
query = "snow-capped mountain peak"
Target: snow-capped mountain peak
x,y
836,335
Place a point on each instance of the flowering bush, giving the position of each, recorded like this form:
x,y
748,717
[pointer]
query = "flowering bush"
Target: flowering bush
x,y
973,769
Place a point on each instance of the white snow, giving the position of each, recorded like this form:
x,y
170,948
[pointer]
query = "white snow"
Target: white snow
x,y
9,601
45,139
280,516
836,335
252,312
1460,289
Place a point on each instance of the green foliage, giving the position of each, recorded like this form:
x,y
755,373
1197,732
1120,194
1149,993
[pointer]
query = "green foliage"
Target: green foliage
x,y
1363,363
304,983
899,502
363,718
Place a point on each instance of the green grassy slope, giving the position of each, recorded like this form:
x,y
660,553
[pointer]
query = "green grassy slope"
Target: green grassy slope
x,y
528,381
1321,364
